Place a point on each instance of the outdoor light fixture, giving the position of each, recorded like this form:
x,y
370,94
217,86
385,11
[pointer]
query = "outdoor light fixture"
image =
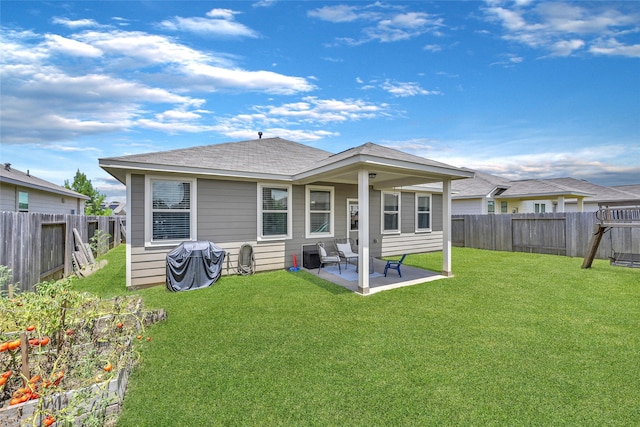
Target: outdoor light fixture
x,y
372,175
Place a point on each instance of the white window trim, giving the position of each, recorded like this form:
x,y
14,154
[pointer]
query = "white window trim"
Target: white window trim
x,y
148,211
289,189
424,230
307,211
382,211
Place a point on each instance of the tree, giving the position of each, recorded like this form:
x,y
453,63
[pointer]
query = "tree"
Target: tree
x,y
82,185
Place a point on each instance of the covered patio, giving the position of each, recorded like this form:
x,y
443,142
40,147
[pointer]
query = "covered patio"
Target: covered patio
x,y
377,281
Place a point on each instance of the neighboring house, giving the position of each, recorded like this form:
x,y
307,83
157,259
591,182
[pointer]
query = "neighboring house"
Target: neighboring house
x,y
23,192
279,195
489,194
117,208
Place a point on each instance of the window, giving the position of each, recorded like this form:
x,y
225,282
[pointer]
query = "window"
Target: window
x,y
491,206
23,201
540,207
504,206
423,212
172,210
274,213
319,211
352,214
390,212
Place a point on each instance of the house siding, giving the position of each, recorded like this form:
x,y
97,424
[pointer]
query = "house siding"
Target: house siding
x,y
8,198
39,201
137,210
227,216
227,210
468,207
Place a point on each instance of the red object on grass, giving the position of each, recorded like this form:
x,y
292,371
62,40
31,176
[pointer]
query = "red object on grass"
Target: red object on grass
x,y
295,261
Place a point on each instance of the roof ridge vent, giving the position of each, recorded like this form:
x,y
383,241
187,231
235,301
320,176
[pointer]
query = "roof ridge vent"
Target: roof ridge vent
x,y
7,166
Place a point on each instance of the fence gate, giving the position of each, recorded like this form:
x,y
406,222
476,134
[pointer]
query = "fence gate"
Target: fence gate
x,y
52,251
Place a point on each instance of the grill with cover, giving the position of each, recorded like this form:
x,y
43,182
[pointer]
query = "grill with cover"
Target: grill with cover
x,y
194,265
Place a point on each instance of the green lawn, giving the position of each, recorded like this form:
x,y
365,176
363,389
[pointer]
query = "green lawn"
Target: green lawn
x,y
512,339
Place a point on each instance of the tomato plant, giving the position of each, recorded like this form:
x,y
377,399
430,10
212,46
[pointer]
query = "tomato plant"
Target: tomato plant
x,y
74,340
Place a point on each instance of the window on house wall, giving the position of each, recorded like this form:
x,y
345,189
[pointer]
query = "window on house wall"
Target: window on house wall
x,y
319,211
423,212
23,201
390,212
504,206
275,212
540,207
172,210
491,206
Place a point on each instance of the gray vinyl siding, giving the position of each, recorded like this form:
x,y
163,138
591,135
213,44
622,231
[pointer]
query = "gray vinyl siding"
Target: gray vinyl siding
x,y
342,192
137,210
8,198
436,212
407,212
39,201
227,210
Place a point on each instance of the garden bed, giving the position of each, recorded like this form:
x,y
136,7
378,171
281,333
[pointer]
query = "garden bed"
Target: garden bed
x,y
68,358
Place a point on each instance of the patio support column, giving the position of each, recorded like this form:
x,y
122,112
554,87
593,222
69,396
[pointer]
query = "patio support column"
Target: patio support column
x,y
363,231
560,204
580,204
446,228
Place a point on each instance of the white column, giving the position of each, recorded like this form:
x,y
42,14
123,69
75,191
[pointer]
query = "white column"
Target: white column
x,y
363,231
446,228
560,204
580,204
128,232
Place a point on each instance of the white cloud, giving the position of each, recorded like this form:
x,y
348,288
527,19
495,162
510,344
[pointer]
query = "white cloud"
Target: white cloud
x,y
612,47
308,113
75,24
43,102
219,23
339,13
71,47
566,47
386,24
404,89
553,26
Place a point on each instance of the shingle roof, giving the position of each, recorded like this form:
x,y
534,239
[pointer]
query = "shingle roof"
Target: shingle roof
x,y
375,150
17,177
269,155
480,186
275,157
484,183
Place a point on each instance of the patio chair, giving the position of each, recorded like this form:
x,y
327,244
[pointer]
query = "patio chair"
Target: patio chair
x,y
394,265
345,251
325,258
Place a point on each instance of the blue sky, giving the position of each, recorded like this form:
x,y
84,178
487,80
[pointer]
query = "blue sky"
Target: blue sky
x,y
519,89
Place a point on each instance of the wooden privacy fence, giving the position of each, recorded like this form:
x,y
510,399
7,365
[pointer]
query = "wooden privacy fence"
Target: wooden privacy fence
x,y
38,247
565,233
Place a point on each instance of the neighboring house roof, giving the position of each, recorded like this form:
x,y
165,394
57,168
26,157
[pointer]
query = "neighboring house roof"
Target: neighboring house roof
x,y
633,189
482,185
280,159
537,188
13,176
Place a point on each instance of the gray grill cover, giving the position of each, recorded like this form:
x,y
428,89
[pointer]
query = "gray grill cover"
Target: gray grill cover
x,y
194,265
